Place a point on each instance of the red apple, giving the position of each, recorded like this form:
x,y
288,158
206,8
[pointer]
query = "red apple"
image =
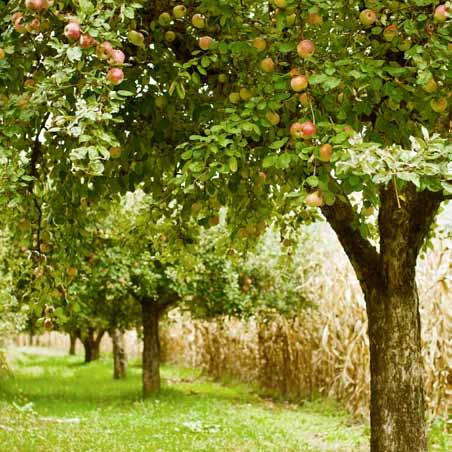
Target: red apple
x,y
390,32
205,42
367,17
309,129
116,57
325,152
299,83
18,25
198,21
115,75
267,65
296,130
87,41
441,13
35,5
314,199
305,48
72,31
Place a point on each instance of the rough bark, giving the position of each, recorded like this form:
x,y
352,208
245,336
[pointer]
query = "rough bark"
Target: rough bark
x,y
91,343
151,348
119,354
388,281
73,340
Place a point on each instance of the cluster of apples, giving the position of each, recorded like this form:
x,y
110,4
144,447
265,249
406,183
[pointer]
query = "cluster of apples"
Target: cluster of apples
x,y
104,50
180,12
49,311
36,24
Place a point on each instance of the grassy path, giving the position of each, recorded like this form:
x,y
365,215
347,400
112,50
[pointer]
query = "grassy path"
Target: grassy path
x,y
55,403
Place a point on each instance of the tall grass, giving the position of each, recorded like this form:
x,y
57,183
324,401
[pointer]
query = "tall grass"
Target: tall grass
x,y
324,350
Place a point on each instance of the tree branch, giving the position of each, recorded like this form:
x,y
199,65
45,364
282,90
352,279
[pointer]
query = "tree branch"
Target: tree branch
x,y
363,256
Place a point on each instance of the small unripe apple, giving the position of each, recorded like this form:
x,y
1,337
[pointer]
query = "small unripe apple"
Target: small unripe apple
x,y
367,211
290,19
115,75
305,48
29,83
299,83
198,21
234,98
280,3
267,65
260,44
367,17
136,38
35,5
223,78
170,36
430,86
196,207
72,272
315,19
261,177
325,152
87,41
314,199
439,105
116,57
441,13
2,54
179,11
160,102
390,32
115,152
104,50
205,42
164,19
48,324
305,100
273,118
245,94
72,31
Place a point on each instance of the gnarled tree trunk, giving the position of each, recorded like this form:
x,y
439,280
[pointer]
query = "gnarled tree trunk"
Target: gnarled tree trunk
x,y
151,348
397,407
119,354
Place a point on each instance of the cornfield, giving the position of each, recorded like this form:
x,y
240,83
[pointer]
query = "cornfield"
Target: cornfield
x,y
322,350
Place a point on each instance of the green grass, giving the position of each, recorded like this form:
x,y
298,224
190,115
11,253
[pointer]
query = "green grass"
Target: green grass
x,y
56,403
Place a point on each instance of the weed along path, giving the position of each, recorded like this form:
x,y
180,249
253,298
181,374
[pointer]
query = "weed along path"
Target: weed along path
x,y
56,403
